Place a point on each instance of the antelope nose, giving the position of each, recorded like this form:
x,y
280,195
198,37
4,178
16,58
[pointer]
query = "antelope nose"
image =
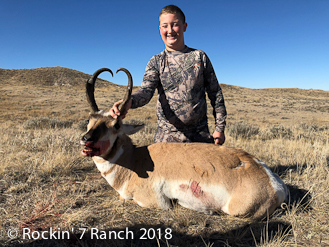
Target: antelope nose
x,y
83,140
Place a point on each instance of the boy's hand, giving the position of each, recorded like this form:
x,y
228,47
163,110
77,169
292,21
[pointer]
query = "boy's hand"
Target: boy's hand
x,y
114,111
219,137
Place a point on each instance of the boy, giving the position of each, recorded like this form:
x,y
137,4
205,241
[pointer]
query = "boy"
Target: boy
x,y
181,75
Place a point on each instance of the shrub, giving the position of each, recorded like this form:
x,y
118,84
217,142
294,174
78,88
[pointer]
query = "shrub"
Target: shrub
x,y
47,123
82,125
276,132
242,130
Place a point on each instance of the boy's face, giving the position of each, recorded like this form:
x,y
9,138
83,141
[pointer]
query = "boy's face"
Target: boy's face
x,y
172,31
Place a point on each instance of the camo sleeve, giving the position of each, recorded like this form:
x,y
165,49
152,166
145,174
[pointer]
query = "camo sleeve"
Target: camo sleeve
x,y
215,95
150,82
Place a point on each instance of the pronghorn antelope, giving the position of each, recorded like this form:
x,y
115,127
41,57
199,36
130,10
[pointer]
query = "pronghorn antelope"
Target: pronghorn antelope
x,y
204,177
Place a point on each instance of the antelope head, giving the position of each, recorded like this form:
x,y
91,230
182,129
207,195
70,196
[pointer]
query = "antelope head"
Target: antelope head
x,y
102,129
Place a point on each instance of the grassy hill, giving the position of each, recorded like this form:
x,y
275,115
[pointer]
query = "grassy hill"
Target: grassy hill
x,y
39,91
47,76
45,182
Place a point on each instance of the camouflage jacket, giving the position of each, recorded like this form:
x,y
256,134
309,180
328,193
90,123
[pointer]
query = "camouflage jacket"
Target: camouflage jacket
x,y
182,78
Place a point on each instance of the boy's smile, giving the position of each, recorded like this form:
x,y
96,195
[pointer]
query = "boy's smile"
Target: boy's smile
x,y
172,31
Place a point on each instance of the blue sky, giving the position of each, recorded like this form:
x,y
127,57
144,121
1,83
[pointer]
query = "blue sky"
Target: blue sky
x,y
251,43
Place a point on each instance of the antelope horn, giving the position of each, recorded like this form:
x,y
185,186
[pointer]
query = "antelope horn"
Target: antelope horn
x,y
90,88
127,97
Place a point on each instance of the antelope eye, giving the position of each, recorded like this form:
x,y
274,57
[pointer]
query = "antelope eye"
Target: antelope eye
x,y
117,126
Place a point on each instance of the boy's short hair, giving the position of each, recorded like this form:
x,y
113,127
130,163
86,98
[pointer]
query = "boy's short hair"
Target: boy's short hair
x,y
173,9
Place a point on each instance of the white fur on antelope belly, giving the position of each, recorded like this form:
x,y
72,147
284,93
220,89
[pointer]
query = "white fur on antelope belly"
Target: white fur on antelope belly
x,y
203,198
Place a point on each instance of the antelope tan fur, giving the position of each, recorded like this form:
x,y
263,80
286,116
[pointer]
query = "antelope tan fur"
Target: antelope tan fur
x,y
204,177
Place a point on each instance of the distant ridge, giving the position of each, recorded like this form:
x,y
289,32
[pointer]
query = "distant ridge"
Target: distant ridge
x,y
61,76
48,76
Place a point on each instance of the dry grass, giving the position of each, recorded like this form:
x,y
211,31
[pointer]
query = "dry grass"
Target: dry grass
x,y
45,183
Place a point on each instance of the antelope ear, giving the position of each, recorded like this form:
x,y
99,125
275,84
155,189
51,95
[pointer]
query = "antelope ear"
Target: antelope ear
x,y
130,129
